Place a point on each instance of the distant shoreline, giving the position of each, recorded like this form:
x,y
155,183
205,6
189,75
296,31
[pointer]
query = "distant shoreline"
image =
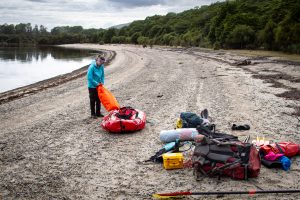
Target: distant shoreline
x,y
23,91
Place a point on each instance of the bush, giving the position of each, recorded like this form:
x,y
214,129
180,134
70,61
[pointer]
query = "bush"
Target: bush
x,y
240,36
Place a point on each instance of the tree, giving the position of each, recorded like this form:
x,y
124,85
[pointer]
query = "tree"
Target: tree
x,y
123,31
43,29
109,34
136,26
143,40
241,36
7,29
268,35
288,32
168,39
118,39
28,28
35,30
20,28
75,29
154,31
55,30
181,27
134,37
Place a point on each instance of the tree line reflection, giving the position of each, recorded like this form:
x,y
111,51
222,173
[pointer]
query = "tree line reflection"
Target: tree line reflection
x,y
29,54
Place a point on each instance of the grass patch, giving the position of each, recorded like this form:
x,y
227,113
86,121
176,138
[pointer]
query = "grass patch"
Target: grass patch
x,y
260,53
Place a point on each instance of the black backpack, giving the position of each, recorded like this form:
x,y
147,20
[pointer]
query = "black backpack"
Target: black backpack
x,y
126,112
210,132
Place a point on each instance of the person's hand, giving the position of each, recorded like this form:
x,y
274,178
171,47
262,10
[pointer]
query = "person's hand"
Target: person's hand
x,y
100,84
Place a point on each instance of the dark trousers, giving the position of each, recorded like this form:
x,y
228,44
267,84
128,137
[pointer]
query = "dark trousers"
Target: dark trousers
x,y
94,102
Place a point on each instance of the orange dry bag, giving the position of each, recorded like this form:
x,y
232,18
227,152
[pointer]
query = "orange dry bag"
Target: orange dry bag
x,y
289,149
107,98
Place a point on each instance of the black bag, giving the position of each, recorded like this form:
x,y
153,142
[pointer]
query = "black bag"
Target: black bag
x,y
126,112
269,163
210,132
190,120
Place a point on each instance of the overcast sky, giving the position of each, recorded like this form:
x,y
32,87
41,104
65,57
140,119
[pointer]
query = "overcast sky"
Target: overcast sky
x,y
88,13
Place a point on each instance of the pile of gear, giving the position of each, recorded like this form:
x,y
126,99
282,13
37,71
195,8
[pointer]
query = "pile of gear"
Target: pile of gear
x,y
218,154
213,153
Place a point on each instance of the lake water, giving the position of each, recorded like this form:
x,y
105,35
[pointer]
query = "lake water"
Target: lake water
x,y
23,66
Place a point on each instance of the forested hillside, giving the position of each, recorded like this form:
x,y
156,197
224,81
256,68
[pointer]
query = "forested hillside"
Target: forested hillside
x,y
240,24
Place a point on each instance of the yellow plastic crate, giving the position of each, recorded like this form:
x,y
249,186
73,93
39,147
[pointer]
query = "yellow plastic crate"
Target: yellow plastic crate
x,y
173,160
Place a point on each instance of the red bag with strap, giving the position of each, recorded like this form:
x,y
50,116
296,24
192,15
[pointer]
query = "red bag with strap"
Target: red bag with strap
x,y
289,149
125,119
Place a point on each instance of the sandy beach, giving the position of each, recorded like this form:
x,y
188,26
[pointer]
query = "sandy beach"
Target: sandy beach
x,y
50,148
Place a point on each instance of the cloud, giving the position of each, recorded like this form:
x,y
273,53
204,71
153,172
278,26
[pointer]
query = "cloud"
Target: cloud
x,y
38,1
137,3
168,3
89,13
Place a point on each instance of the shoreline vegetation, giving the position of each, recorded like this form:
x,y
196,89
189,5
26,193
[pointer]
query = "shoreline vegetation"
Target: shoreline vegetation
x,y
265,29
238,24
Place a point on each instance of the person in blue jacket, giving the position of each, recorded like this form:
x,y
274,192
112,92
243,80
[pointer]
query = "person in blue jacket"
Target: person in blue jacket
x,y
95,77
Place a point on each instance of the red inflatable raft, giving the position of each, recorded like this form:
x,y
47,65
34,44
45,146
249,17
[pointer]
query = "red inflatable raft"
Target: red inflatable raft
x,y
125,119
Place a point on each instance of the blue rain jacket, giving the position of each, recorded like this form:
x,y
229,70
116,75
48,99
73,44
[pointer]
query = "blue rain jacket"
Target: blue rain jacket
x,y
95,75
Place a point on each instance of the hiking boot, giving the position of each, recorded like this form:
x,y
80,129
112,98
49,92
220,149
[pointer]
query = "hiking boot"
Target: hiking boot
x,y
204,114
100,115
240,127
93,117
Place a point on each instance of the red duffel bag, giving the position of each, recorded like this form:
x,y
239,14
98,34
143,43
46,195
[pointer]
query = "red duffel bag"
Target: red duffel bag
x,y
289,149
125,119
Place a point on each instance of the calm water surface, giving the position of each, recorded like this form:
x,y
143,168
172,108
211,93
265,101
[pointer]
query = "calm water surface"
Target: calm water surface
x,y
27,65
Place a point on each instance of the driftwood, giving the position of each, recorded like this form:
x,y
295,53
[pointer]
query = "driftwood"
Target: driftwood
x,y
243,62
